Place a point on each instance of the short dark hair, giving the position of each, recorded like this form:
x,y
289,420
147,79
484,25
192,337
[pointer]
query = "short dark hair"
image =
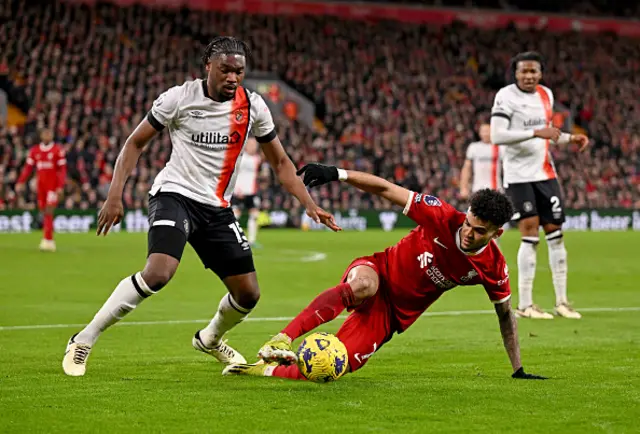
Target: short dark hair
x,y
225,45
524,56
492,206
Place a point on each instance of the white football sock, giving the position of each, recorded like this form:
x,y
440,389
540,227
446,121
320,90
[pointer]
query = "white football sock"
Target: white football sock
x,y
127,295
526,270
229,314
252,228
558,264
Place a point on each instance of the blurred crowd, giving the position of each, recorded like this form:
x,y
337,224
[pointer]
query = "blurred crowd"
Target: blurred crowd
x,y
397,100
593,8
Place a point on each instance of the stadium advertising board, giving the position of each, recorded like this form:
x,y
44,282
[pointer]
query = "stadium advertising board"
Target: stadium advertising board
x,y
71,221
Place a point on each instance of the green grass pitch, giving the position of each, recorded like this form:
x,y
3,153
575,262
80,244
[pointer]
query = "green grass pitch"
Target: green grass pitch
x,y
447,373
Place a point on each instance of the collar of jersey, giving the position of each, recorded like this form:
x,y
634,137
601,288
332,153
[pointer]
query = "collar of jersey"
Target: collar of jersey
x,y
477,252
205,91
45,148
524,91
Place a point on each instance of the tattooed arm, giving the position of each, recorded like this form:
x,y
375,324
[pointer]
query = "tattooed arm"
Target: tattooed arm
x,y
509,330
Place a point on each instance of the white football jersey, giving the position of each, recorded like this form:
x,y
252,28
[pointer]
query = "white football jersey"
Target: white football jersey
x,y
529,160
247,182
486,159
208,139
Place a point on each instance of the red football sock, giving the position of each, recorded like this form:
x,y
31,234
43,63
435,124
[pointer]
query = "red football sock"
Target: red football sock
x,y
292,372
324,308
47,226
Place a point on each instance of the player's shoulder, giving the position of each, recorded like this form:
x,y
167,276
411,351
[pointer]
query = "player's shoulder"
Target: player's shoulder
x,y
507,92
495,264
547,90
434,202
254,97
474,145
190,88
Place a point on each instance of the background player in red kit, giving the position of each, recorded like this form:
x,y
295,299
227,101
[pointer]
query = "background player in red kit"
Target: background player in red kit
x,y
388,291
51,171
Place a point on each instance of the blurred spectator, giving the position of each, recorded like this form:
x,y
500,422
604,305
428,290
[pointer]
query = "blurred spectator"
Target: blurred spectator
x,y
402,101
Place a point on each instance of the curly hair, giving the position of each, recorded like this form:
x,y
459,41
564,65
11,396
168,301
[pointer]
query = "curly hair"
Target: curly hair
x,y
492,206
225,45
524,56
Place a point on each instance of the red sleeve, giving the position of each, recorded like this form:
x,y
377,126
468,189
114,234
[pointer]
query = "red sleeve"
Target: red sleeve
x,y
27,169
497,286
426,210
61,166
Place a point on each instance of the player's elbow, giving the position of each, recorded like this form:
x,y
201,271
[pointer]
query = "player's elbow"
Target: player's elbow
x,y
284,169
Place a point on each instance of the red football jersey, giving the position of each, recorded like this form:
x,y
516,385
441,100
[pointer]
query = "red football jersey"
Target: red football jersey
x,y
51,166
429,261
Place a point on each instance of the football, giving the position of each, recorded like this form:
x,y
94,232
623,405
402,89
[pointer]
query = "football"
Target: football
x,y
322,357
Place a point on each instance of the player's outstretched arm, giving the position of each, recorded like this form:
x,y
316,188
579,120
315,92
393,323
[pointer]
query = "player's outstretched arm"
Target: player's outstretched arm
x,y
286,172
502,135
509,330
317,174
113,210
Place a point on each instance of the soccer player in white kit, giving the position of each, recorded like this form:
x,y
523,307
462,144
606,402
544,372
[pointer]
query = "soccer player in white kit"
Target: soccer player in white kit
x,y
209,121
482,166
245,194
521,119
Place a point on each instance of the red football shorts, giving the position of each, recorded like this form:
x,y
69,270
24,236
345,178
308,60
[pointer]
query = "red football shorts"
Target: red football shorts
x,y
368,326
47,198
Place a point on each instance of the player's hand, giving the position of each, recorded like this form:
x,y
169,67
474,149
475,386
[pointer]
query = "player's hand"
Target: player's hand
x,y
580,140
521,375
319,215
111,214
317,174
550,133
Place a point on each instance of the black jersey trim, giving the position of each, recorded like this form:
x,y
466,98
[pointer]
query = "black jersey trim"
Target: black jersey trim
x,y
269,137
155,123
501,115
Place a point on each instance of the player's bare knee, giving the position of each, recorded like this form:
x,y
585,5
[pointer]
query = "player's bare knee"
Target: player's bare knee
x,y
363,287
247,298
159,270
529,227
244,289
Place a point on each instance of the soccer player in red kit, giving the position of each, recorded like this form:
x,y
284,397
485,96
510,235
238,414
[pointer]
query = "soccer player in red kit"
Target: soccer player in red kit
x,y
388,291
51,170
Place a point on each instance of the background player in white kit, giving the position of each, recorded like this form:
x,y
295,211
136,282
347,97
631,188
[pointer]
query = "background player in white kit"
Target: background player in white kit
x,y
245,195
521,119
209,122
482,166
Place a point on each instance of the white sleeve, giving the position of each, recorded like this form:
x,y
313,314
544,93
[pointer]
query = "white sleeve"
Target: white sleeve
x,y
564,139
502,106
502,135
165,108
501,113
263,128
469,155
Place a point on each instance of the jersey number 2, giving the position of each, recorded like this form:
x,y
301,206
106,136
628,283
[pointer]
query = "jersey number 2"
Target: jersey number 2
x,y
555,204
238,231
